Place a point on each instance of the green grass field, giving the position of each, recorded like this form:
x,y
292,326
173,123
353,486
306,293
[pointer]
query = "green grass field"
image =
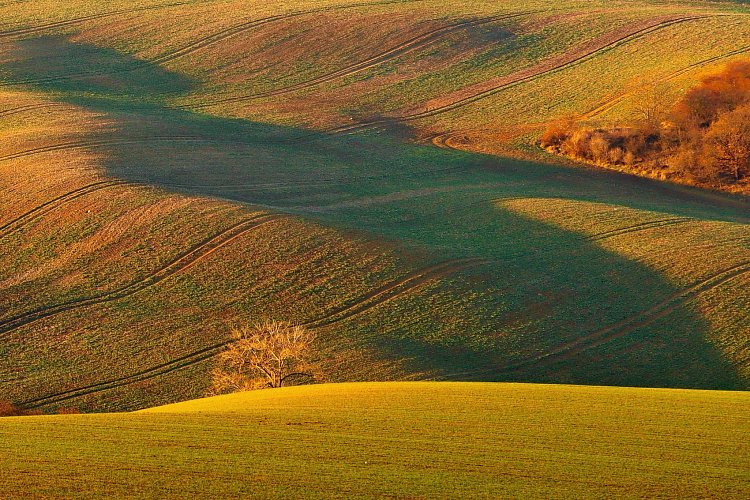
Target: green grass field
x,y
169,168
402,440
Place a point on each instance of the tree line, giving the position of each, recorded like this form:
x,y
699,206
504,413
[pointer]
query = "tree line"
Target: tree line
x,y
700,138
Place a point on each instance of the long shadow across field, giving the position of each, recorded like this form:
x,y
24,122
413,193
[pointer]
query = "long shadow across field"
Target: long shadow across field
x,y
541,304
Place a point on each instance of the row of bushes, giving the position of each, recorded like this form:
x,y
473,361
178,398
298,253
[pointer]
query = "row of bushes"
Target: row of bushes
x,y
704,138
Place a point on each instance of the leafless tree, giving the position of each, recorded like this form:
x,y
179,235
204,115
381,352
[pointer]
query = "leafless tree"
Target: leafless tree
x,y
268,354
652,103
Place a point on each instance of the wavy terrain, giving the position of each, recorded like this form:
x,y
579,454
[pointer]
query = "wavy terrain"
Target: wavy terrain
x,y
367,169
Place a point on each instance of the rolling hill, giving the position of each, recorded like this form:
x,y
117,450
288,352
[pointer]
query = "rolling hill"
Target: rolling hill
x,y
417,440
169,168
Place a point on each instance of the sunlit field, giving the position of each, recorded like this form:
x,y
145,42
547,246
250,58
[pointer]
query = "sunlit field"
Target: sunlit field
x,y
483,317
422,440
171,168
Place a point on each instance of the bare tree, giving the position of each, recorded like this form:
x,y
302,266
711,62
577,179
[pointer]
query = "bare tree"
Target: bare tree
x,y
652,103
268,354
728,143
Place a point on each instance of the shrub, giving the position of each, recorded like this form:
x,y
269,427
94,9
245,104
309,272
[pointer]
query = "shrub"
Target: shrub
x,y
599,147
558,132
707,140
715,95
578,144
629,159
10,409
616,155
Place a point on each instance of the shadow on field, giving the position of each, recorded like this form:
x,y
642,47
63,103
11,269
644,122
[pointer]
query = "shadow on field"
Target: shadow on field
x,y
511,318
53,63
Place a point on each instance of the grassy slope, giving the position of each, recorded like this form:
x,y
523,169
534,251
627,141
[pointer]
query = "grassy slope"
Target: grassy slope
x,y
417,440
413,261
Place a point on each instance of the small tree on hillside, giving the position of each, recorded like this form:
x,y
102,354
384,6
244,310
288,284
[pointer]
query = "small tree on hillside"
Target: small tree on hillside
x,y
652,103
266,355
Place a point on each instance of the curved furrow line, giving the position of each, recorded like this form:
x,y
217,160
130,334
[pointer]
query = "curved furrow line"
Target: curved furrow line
x,y
372,299
444,141
196,45
661,309
78,20
58,24
641,226
704,62
29,107
22,221
237,29
623,327
410,45
227,33
608,104
182,263
604,106
188,49
393,290
440,140
149,373
106,142
638,227
638,34
647,317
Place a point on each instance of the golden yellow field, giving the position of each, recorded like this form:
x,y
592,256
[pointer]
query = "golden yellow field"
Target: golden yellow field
x,y
404,440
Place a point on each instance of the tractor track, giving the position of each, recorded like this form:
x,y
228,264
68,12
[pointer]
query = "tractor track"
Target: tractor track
x,y
369,301
638,227
519,79
240,28
623,327
29,107
445,141
441,140
409,45
608,104
183,262
393,290
66,146
195,45
78,20
186,50
22,221
156,371
404,285
634,228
